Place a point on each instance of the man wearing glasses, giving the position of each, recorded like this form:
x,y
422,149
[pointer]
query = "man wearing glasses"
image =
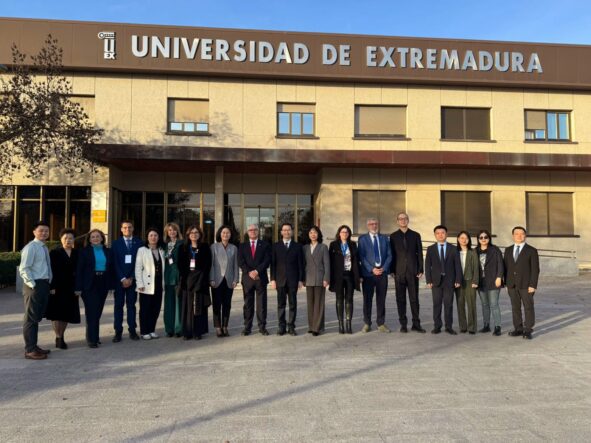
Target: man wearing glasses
x,y
254,258
407,268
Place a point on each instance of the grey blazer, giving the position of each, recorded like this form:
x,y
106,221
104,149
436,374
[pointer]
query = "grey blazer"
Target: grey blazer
x,y
224,263
317,264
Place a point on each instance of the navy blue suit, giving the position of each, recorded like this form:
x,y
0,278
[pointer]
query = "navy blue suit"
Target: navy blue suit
x,y
95,287
125,296
371,282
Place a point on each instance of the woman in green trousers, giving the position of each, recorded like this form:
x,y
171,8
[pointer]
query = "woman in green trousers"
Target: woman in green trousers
x,y
466,293
172,309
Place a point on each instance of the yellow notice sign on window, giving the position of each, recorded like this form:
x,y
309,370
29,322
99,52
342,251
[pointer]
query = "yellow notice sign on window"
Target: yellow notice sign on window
x,y
99,216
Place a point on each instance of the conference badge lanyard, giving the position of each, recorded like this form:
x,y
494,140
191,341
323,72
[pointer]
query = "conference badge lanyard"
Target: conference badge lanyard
x,y
193,255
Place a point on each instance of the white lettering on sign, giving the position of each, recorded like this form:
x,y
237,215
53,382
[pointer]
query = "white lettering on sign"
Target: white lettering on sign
x,y
385,57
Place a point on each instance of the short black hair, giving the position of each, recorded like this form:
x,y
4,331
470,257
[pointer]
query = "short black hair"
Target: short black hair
x,y
318,231
126,221
147,243
440,227
40,223
518,227
65,231
218,234
286,224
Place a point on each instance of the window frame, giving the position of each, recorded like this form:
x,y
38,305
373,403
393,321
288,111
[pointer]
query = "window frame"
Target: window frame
x,y
546,139
362,136
359,226
289,134
464,108
451,228
170,131
547,234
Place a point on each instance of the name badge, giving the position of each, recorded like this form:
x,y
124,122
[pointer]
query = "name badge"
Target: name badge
x,y
192,264
170,260
127,259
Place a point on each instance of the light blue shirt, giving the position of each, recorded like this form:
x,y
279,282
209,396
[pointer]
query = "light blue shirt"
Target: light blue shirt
x,y
35,263
100,260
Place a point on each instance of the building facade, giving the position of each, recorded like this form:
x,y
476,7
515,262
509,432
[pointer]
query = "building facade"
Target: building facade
x,y
214,126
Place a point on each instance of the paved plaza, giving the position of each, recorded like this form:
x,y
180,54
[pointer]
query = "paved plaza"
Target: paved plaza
x,y
364,387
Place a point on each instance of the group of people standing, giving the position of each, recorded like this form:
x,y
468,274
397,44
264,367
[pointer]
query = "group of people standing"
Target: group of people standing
x,y
191,276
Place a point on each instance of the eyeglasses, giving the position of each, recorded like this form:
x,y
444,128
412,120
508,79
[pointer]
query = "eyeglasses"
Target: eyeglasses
x,y
252,230
483,237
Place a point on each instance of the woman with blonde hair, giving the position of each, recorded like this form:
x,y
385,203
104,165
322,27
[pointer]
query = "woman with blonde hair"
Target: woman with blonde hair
x,y
173,239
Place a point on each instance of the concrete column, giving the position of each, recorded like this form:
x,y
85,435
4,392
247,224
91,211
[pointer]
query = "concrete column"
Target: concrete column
x,y
219,196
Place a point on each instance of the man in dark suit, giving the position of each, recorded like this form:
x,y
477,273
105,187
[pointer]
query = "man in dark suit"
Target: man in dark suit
x,y
443,272
287,276
407,268
522,269
124,252
254,257
375,258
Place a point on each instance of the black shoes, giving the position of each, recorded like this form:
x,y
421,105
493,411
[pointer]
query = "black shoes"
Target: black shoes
x,y
117,337
527,335
450,331
315,334
169,334
225,331
264,332
485,329
293,333
436,331
245,332
348,328
497,331
60,343
516,333
341,327
471,332
219,333
133,335
403,329
93,345
280,331
418,329
463,331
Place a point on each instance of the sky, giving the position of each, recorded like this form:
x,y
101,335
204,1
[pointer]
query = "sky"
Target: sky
x,y
556,21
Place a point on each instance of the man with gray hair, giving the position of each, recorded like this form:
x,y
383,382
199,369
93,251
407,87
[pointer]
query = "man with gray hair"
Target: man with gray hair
x,y
375,259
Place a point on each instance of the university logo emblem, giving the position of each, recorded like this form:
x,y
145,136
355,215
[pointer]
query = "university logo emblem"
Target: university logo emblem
x,y
109,45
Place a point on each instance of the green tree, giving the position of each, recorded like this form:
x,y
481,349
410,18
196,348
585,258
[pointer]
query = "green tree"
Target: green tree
x,y
39,122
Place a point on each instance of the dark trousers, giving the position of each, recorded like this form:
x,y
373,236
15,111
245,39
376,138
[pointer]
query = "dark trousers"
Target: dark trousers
x,y
519,297
124,297
344,297
287,294
94,302
150,305
260,290
35,305
222,304
443,296
172,310
379,285
193,325
407,282
316,303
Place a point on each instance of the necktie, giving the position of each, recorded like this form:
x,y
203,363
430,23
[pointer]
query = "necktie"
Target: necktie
x,y
376,250
286,245
128,243
442,253
252,249
516,253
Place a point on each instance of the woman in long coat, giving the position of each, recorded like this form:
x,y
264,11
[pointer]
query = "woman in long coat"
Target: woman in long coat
x,y
194,266
172,297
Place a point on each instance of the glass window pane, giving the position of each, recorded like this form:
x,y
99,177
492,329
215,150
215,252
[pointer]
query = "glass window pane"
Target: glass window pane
x,y
540,134
365,205
267,200
202,127
132,213
286,215
308,124
6,225
264,218
54,192
184,217
296,123
233,199
208,199
537,213
155,198
128,197
453,211
28,214
184,199
477,212
390,204
305,199
55,215
175,126
209,225
560,209
154,219
535,119
233,218
80,193
452,123
6,192
189,127
32,192
552,126
305,222
563,126
80,220
286,199
283,123
477,124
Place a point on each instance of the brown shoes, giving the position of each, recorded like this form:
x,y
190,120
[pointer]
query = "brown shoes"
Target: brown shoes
x,y
35,355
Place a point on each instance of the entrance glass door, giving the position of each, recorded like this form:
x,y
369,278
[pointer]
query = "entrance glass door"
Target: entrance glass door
x,y
264,218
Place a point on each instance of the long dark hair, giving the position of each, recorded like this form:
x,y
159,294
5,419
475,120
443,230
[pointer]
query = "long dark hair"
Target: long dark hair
x,y
188,240
338,236
469,240
490,240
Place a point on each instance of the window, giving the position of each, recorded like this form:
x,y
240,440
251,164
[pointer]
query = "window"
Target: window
x,y
188,116
465,211
547,125
550,213
465,124
383,205
6,218
380,121
295,119
87,104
